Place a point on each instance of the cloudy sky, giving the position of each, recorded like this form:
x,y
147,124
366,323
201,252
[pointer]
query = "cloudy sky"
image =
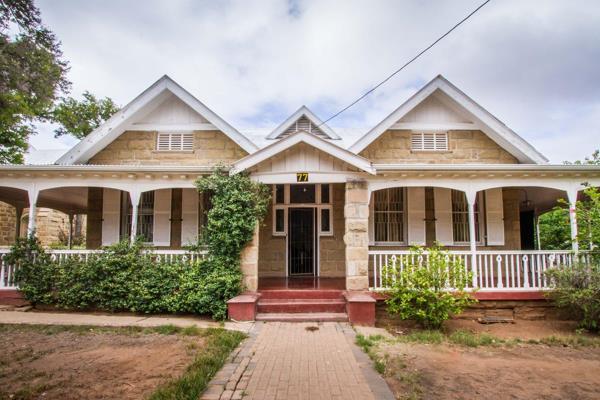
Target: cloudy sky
x,y
534,64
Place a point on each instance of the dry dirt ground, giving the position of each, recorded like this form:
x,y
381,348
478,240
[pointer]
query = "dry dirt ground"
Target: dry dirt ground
x,y
70,365
518,371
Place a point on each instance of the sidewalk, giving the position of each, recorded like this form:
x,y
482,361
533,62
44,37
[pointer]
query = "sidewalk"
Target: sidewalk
x,y
288,361
58,318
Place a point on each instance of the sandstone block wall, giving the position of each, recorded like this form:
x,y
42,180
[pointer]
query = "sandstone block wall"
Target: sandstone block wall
x,y
137,147
249,262
331,248
356,238
7,224
272,252
464,147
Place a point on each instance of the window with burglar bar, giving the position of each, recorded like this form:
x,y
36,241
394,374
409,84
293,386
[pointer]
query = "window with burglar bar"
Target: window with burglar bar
x,y
145,222
389,212
460,218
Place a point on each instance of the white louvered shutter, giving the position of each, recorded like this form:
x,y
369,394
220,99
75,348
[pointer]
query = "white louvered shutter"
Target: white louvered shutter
x,y
111,213
372,218
189,216
494,215
443,216
161,231
416,215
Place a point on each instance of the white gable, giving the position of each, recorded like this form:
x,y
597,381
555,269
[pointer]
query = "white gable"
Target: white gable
x,y
170,101
303,120
439,105
434,110
171,111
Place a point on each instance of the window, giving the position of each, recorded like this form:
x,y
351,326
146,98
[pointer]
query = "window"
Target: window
x,y
326,227
302,194
389,211
175,141
429,141
279,221
324,193
460,218
279,194
204,206
145,222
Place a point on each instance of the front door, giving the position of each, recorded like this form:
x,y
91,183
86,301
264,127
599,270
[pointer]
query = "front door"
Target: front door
x,y
301,241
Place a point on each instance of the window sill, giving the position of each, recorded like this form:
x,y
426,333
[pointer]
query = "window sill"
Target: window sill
x,y
432,151
387,244
174,151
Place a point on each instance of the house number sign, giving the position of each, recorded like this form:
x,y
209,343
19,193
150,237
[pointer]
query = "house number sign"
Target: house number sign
x,y
302,177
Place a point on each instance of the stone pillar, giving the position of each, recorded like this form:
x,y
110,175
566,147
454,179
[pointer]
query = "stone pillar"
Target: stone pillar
x,y
356,237
249,262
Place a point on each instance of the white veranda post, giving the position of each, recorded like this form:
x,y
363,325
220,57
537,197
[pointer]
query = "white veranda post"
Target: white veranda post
x,y
572,195
135,202
471,197
33,196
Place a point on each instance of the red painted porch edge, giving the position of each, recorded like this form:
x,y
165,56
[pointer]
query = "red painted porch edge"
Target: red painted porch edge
x,y
499,296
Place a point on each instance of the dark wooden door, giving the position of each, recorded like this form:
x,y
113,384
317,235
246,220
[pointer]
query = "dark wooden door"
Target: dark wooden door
x,y
301,241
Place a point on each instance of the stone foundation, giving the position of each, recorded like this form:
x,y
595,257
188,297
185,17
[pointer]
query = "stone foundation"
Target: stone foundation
x,y
524,310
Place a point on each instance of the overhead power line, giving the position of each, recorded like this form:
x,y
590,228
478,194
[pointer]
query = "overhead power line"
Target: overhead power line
x,y
407,63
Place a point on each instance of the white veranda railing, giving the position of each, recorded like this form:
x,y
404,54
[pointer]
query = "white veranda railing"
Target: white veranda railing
x,y
7,272
509,270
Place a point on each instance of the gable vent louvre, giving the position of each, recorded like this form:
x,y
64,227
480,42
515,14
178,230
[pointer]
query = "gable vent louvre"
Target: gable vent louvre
x,y
175,141
429,141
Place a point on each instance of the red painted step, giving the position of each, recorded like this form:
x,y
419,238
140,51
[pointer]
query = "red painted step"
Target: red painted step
x,y
302,317
301,294
301,306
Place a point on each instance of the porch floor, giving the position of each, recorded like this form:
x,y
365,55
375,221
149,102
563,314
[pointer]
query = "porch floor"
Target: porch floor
x,y
301,283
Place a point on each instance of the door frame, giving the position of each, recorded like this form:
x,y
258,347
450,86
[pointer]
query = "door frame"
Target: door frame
x,y
316,263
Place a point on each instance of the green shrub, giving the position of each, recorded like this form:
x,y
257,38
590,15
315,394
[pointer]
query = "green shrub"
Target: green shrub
x,y
420,290
578,289
125,278
35,270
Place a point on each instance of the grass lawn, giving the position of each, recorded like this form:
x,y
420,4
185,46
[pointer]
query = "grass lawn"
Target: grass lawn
x,y
463,364
92,362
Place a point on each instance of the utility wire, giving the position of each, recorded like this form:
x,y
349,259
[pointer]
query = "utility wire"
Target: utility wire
x,y
407,63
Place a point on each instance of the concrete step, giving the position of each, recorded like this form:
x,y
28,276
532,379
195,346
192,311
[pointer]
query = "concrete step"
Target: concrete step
x,y
302,317
301,294
301,306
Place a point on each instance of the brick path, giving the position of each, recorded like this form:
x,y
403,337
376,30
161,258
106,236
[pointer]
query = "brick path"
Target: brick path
x,y
286,361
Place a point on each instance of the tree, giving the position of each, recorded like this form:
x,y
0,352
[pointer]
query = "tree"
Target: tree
x,y
79,118
33,75
593,160
555,230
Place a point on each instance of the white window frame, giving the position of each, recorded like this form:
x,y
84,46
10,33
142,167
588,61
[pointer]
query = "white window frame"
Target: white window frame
x,y
285,222
317,205
404,212
438,141
480,213
186,142
330,231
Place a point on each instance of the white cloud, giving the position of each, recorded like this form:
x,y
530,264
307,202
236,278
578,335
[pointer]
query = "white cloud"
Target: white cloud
x,y
532,64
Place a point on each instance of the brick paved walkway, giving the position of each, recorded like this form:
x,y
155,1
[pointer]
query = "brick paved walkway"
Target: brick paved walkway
x,y
287,361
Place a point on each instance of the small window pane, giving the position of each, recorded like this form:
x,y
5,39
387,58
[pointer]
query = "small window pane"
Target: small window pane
x,y
324,193
279,194
279,220
302,194
325,220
